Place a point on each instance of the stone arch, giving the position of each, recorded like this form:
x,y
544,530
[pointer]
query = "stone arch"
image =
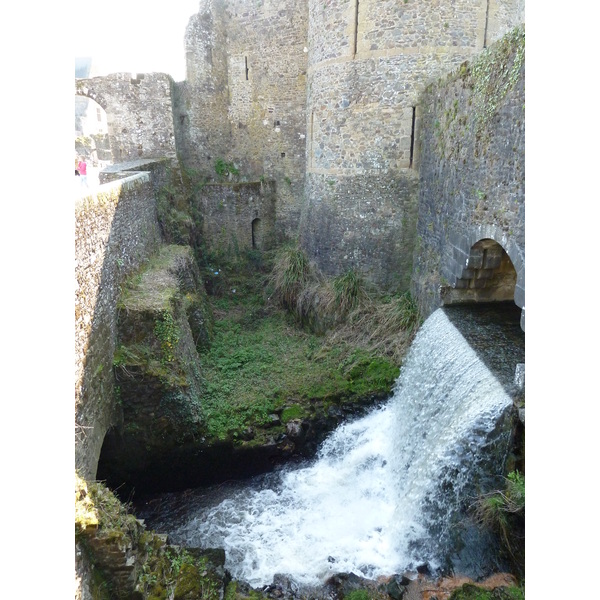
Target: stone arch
x,y
139,112
92,132
487,265
85,92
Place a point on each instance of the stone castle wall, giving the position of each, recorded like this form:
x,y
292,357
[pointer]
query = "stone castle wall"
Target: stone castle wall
x,y
369,62
245,95
116,229
238,216
139,113
472,172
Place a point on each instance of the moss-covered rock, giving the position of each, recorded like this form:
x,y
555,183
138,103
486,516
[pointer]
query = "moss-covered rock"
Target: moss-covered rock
x,y
125,560
164,318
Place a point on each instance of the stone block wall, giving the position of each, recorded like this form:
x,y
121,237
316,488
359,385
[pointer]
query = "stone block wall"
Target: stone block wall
x,y
116,230
245,97
472,189
369,61
237,216
139,113
366,223
203,131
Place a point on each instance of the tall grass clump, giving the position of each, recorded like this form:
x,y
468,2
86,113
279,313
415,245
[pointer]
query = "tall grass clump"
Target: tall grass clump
x,y
503,511
290,275
349,290
385,326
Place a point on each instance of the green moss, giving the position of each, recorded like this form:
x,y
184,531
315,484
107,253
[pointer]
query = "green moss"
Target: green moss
x,y
167,332
473,592
357,595
292,412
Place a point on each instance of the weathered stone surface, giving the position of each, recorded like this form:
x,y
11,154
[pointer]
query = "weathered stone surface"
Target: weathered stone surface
x,y
158,372
139,113
238,216
369,62
244,99
115,231
472,181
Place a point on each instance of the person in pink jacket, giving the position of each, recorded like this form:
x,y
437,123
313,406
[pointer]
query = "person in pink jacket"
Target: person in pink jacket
x,y
83,171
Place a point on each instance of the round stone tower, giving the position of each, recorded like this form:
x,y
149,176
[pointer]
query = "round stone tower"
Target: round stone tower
x,y
368,62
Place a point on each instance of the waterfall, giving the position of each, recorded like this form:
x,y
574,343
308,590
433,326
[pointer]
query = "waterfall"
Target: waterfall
x,y
384,494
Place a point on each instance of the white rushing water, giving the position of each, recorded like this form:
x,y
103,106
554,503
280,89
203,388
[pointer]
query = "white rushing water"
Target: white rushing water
x,y
380,485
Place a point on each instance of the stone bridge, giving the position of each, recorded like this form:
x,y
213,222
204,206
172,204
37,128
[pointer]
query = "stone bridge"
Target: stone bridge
x,y
471,226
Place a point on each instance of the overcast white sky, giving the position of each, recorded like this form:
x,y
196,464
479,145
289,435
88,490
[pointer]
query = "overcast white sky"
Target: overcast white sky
x,y
134,35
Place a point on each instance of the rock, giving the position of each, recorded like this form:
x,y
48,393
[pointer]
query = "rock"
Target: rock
x,y
396,588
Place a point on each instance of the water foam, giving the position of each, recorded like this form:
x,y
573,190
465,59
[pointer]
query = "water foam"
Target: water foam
x,y
381,494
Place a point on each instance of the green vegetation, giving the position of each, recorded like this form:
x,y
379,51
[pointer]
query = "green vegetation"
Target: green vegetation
x,y
503,511
105,527
291,273
349,291
177,210
167,332
261,362
254,368
225,169
357,595
471,591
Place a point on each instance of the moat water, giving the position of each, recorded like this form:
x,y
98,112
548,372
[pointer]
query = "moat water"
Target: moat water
x,y
387,493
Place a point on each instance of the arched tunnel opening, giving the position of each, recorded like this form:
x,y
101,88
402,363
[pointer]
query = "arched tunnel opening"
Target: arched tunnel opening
x,y
92,136
489,276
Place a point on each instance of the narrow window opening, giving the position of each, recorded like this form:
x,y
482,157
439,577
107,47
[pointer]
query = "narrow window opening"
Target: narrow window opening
x,y
310,146
276,124
487,14
246,65
412,136
283,155
355,28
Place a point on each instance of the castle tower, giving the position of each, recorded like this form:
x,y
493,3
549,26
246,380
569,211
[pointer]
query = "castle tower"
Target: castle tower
x,y
244,100
368,62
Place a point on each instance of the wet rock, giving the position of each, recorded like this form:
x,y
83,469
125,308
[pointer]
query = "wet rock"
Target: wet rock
x,y
397,586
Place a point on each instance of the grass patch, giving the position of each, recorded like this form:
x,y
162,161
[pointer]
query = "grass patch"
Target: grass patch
x,y
262,362
471,591
504,510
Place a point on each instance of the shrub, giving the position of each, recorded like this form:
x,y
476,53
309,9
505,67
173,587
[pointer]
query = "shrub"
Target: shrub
x,y
503,510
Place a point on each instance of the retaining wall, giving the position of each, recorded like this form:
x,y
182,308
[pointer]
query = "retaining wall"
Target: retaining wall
x,y
116,230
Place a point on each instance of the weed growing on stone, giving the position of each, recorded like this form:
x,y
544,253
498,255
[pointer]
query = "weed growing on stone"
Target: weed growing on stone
x,y
503,511
225,169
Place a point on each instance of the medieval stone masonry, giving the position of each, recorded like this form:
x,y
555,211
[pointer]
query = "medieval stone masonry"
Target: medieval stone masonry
x,y
386,136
